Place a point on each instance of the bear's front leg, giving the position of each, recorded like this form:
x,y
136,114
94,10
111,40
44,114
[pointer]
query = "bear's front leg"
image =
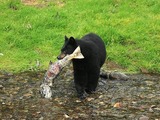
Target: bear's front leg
x,y
93,76
80,80
80,91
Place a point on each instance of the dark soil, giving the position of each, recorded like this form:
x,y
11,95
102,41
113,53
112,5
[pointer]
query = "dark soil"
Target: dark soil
x,y
135,99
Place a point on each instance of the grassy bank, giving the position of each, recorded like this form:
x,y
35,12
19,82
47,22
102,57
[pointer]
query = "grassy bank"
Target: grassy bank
x,y
35,31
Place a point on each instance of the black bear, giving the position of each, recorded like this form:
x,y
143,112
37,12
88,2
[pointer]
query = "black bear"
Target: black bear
x,y
87,70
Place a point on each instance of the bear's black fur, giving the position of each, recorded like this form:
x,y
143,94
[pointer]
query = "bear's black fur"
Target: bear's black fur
x,y
87,70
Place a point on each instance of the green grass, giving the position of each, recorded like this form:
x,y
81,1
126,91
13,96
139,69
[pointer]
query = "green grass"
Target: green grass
x,y
130,29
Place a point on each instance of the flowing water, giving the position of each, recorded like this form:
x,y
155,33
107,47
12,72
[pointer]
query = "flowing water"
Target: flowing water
x,y
135,99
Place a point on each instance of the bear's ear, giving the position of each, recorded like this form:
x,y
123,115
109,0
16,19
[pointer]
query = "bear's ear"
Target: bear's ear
x,y
72,40
66,38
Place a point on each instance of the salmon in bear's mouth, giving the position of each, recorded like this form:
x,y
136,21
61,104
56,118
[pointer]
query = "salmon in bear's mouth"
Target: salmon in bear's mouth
x,y
54,69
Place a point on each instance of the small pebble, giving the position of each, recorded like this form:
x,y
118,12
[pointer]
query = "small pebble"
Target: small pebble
x,y
101,103
38,112
78,101
100,96
151,110
66,116
41,118
3,103
153,106
144,118
158,109
1,86
117,105
90,99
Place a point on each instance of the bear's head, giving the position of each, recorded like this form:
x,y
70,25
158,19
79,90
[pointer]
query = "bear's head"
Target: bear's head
x,y
69,46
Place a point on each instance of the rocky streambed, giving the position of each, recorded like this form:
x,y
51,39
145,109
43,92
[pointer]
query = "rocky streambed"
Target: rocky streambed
x,y
137,98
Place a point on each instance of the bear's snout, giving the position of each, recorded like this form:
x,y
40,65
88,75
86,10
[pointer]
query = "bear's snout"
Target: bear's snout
x,y
61,56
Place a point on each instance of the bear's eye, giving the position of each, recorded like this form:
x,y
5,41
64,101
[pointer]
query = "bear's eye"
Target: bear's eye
x,y
63,51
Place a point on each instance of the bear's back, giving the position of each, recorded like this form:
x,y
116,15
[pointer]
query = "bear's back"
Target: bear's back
x,y
94,42
91,37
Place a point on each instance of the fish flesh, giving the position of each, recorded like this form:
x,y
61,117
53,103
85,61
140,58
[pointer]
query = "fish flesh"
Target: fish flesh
x,y
54,69
45,91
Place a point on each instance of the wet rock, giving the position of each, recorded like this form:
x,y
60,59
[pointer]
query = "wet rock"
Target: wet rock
x,y
151,110
3,103
10,74
90,99
158,109
66,116
118,105
41,118
83,115
1,86
149,83
101,103
27,95
144,118
153,106
118,76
